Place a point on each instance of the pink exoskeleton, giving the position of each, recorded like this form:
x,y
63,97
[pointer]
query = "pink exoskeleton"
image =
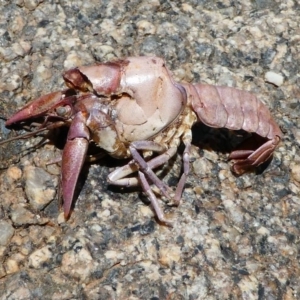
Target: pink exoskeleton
x,y
133,108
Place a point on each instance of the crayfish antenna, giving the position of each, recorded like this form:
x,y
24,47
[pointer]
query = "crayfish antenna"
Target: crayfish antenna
x,y
33,133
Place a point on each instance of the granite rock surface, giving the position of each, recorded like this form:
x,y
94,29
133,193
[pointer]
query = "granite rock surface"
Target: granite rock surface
x,y
234,237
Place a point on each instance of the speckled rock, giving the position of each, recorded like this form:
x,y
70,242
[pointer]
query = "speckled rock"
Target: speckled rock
x,y
39,257
233,237
274,78
295,172
6,232
22,216
78,265
39,187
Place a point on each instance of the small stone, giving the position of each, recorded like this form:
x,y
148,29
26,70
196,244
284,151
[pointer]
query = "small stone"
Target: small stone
x,y
111,254
2,250
39,187
18,49
17,24
31,4
43,73
14,173
263,231
296,133
103,52
249,286
18,292
202,167
168,256
212,250
26,46
295,172
39,257
77,265
73,60
187,8
61,218
210,155
275,78
7,54
48,160
145,211
2,271
13,82
226,78
145,27
22,216
6,232
11,266
223,174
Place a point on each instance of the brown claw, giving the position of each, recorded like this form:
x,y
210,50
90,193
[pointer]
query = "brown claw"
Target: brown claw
x,y
38,107
72,159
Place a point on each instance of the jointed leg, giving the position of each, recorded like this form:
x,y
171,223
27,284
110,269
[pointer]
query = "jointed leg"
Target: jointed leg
x,y
259,152
186,170
118,176
153,200
146,169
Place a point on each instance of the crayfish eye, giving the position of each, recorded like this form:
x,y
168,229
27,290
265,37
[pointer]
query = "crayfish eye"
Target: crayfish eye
x,y
62,111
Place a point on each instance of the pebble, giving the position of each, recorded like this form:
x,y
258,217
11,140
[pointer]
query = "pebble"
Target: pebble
x,y
21,216
73,60
18,49
210,155
39,257
187,8
11,266
6,232
145,27
20,292
61,218
43,73
13,82
14,173
103,52
169,255
249,286
2,271
7,54
295,172
39,186
275,78
77,265
202,167
31,4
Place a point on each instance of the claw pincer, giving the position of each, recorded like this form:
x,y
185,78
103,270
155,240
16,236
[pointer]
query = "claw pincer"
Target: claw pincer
x,y
133,108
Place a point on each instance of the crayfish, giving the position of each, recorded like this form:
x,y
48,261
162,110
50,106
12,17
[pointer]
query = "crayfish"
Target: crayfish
x,y
133,108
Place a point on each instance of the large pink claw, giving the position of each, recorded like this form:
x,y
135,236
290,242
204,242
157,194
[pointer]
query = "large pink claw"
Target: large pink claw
x,y
39,107
73,158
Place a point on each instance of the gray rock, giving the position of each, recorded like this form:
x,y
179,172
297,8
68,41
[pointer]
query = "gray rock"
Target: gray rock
x,y
6,232
234,237
39,187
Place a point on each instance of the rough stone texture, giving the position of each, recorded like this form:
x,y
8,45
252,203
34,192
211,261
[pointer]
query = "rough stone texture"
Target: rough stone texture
x,y
234,237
